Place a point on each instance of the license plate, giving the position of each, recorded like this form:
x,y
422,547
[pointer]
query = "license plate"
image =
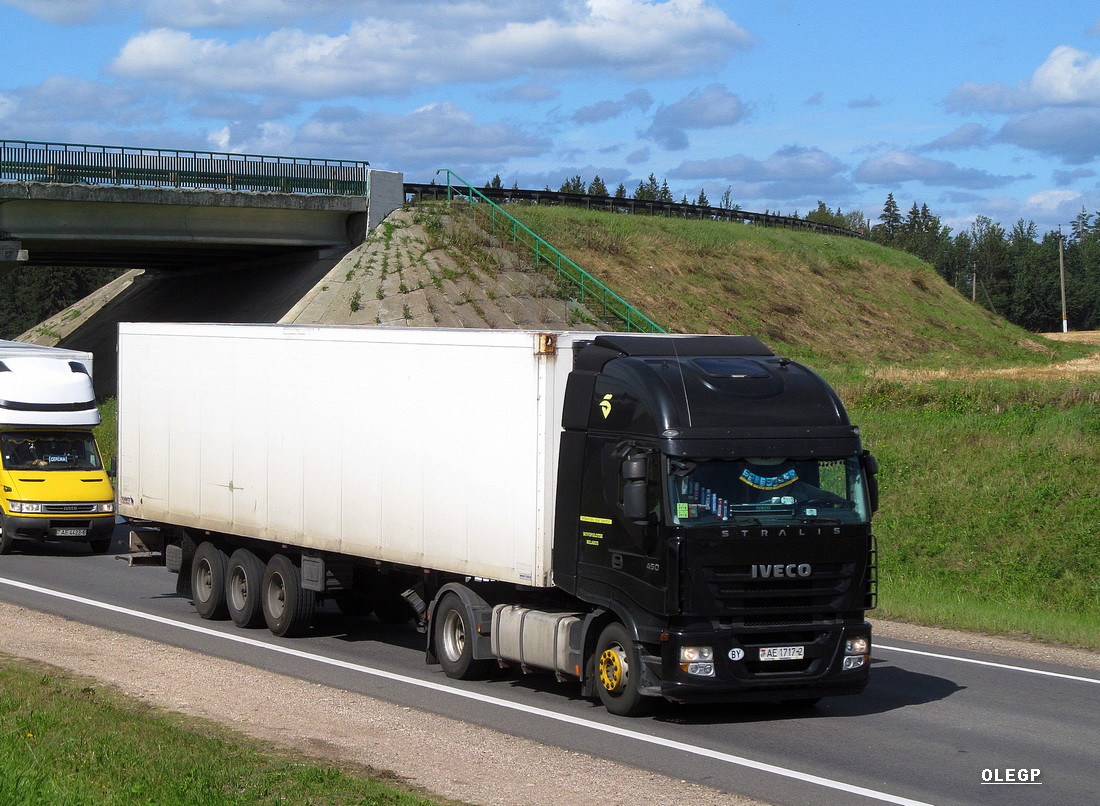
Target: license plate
x,y
782,653
70,532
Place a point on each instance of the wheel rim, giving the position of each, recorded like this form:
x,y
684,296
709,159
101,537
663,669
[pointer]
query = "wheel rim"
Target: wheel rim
x,y
276,596
454,635
614,669
205,579
238,588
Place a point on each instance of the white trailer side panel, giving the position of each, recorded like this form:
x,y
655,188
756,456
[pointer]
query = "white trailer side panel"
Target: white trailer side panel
x,y
431,448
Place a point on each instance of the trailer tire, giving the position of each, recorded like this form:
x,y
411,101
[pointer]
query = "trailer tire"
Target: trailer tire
x,y
208,581
288,607
244,581
453,625
618,673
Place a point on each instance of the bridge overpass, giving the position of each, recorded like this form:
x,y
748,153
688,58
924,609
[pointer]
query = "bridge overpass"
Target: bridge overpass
x,y
216,237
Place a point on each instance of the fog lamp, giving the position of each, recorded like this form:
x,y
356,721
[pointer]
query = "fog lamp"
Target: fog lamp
x,y
854,661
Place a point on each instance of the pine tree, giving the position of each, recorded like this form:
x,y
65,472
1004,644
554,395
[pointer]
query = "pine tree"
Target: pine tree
x,y
573,185
597,188
887,231
620,191
702,201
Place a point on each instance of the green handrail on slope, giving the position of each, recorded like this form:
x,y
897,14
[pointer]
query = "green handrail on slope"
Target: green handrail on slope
x,y
587,285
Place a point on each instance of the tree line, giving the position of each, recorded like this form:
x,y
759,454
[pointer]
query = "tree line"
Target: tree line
x,y
31,295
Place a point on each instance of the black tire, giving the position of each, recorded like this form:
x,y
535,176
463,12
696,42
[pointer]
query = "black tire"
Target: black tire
x,y
287,606
6,540
618,673
354,603
208,581
244,581
100,546
452,625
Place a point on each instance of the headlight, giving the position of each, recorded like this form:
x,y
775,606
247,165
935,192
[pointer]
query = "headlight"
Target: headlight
x,y
106,507
697,660
856,646
25,507
690,654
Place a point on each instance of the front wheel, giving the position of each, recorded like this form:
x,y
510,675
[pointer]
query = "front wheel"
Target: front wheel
x,y
618,671
6,540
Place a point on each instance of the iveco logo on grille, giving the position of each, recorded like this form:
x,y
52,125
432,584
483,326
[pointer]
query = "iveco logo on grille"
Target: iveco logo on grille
x,y
781,571
67,508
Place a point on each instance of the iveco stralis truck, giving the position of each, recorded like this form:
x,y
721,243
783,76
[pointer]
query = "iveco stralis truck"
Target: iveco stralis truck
x,y
653,516
55,486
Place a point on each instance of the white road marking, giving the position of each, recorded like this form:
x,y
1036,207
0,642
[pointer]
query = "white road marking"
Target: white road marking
x,y
615,730
987,663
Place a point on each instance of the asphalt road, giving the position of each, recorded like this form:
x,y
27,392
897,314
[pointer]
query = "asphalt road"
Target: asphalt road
x,y
936,726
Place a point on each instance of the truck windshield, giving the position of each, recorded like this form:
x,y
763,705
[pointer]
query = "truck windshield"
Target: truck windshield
x,y
28,450
767,491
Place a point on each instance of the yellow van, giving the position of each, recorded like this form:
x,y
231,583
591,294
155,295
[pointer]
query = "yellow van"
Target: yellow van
x,y
52,474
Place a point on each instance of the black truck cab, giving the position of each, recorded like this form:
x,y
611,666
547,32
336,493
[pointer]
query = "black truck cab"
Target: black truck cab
x,y
715,499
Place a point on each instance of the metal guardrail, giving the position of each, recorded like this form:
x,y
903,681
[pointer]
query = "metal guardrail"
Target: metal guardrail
x,y
611,204
69,163
588,287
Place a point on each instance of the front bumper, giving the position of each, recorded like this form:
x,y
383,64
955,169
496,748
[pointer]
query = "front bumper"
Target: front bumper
x,y
47,527
740,675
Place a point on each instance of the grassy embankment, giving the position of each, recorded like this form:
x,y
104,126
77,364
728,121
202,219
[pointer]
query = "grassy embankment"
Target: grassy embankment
x,y
990,475
71,742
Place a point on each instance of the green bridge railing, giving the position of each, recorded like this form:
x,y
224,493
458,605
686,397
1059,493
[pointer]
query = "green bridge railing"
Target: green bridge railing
x,y
71,163
588,287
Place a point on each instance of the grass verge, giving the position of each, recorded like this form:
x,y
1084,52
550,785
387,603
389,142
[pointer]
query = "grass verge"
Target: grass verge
x,y
69,742
989,501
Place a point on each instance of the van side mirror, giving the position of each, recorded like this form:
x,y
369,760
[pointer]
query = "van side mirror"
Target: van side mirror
x,y
112,468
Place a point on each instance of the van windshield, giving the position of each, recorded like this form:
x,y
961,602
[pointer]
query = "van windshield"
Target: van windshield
x,y
767,491
28,450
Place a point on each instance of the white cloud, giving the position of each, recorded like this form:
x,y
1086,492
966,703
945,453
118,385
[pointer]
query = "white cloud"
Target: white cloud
x,y
895,167
394,55
438,135
1068,77
709,108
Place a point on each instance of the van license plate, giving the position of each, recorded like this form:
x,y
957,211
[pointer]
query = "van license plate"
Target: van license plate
x,y
782,653
70,532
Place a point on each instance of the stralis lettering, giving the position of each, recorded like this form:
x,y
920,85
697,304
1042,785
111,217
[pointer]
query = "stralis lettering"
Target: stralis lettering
x,y
789,531
781,571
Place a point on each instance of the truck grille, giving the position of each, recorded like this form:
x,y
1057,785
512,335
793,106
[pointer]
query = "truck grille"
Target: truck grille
x,y
752,602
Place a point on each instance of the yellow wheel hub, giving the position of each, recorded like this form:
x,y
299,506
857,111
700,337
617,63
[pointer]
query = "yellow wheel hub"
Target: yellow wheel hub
x,y
612,669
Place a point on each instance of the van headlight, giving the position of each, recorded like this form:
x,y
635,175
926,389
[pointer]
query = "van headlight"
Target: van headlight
x,y
25,507
105,508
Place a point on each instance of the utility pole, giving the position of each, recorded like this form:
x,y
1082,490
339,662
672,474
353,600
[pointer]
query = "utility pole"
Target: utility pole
x,y
1062,277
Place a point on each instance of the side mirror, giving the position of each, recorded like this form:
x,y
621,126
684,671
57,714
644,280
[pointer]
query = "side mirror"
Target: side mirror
x,y
112,468
870,466
636,501
635,468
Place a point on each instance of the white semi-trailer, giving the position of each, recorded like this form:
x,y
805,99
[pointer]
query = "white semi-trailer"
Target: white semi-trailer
x,y
685,517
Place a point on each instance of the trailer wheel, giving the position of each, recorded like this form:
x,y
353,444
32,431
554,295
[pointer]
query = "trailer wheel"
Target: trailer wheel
x,y
244,579
618,671
288,607
208,581
454,648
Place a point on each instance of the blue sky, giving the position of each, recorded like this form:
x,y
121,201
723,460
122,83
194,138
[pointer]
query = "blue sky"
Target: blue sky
x,y
976,108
